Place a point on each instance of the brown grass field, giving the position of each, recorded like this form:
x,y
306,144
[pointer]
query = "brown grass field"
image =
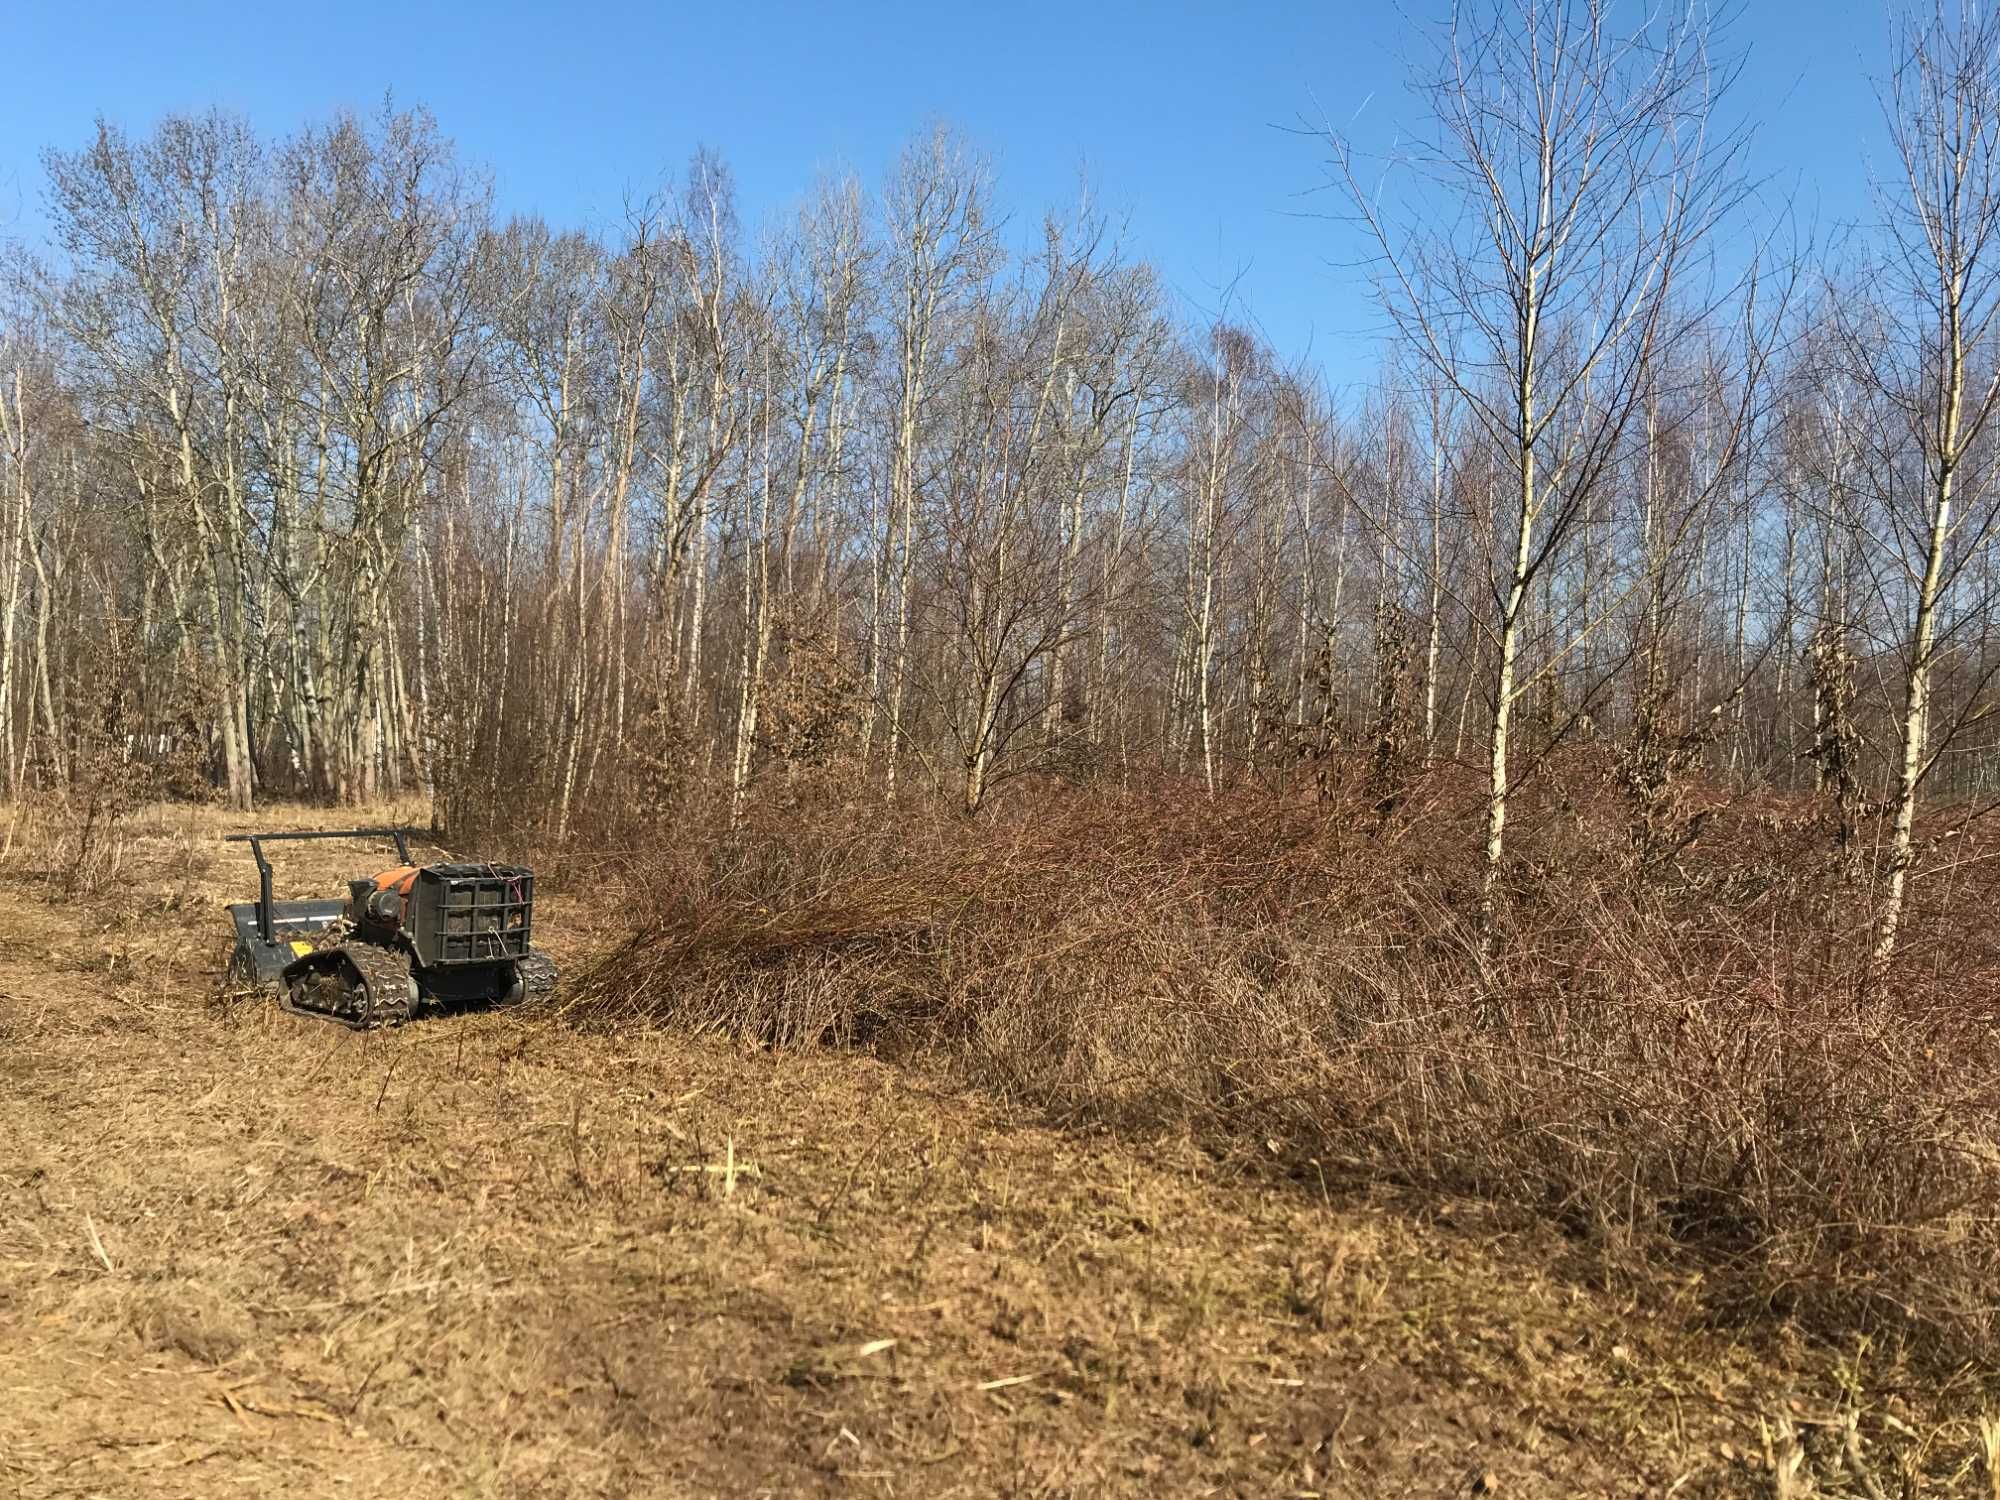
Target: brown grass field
x,y
517,1255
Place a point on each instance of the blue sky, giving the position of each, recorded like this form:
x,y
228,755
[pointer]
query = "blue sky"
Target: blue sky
x,y
1175,110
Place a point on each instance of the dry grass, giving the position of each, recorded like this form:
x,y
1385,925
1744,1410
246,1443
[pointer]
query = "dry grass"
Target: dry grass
x,y
495,1255
1693,1070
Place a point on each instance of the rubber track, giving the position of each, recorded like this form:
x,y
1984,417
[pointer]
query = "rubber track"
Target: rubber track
x,y
385,998
538,975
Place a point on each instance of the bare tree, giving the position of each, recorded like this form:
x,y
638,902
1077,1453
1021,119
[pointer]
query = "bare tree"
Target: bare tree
x,y
819,267
941,244
157,233
388,254
1935,377
16,501
1568,186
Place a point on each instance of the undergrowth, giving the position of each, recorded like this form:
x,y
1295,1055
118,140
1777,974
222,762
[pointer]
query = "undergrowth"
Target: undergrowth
x,y
1693,1057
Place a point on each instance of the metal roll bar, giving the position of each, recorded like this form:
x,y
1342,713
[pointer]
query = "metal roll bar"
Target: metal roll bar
x,y
257,841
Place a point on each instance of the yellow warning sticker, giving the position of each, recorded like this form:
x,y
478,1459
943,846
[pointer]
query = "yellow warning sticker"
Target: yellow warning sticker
x,y
300,947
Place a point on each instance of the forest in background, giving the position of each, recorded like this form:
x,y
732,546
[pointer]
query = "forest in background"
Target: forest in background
x,y
319,480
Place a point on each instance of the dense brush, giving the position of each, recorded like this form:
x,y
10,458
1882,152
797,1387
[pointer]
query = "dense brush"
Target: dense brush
x,y
1694,1060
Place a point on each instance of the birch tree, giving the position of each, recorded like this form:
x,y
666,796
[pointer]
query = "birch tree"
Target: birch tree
x,y
941,243
1568,181
1936,378
156,231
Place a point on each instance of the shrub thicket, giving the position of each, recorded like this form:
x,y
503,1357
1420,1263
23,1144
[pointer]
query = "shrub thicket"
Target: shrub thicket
x,y
1693,1056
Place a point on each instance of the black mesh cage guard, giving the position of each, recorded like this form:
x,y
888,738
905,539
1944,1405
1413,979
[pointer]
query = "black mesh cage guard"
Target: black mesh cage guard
x,y
471,914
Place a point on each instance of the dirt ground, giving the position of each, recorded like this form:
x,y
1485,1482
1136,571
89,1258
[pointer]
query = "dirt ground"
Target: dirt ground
x,y
489,1255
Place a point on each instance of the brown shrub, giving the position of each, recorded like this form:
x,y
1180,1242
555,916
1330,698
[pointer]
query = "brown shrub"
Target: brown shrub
x,y
1696,1060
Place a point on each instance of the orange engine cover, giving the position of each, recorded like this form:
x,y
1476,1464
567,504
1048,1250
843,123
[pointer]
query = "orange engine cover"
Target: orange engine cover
x,y
398,880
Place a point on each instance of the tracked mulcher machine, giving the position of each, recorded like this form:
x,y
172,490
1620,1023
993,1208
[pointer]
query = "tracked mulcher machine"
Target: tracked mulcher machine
x,y
411,937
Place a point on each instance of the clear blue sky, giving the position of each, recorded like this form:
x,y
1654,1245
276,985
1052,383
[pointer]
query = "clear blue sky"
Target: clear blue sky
x,y
1174,109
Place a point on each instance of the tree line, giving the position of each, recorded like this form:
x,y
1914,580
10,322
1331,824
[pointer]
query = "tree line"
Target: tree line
x,y
319,478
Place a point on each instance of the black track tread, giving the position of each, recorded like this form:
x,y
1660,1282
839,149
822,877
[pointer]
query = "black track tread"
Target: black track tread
x,y
538,975
385,996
